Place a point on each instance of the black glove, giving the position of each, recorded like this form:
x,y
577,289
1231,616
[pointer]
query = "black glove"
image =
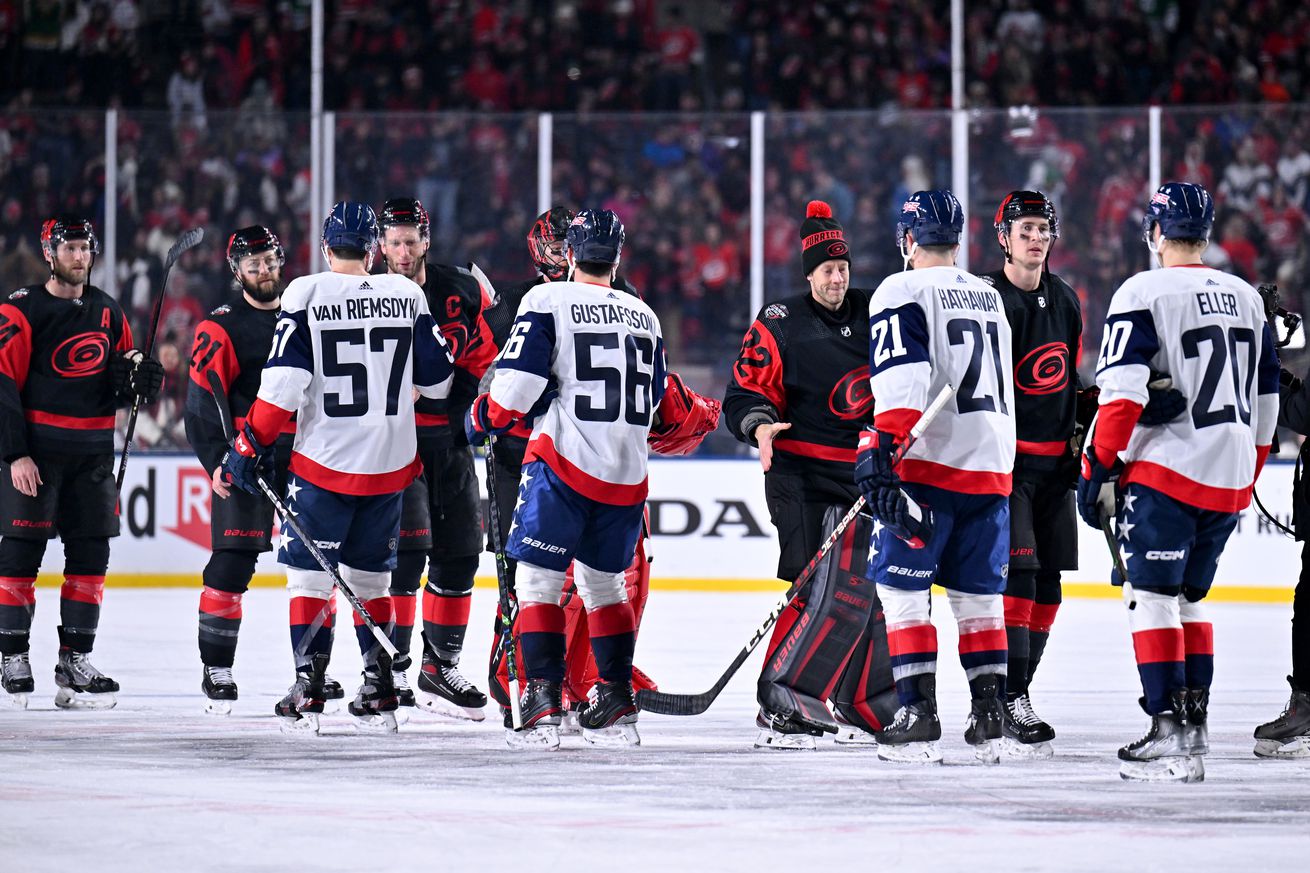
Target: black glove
x,y
121,365
146,379
1164,403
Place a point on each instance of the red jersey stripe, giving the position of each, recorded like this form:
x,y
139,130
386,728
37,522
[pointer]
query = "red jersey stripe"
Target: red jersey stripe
x,y
356,484
542,448
71,422
814,450
951,479
1179,487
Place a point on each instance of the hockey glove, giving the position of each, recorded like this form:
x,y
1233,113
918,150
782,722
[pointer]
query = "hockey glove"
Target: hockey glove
x,y
1164,404
121,365
477,423
244,461
1085,406
147,379
1098,489
882,490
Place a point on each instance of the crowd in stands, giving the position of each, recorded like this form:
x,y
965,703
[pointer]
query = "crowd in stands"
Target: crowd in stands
x,y
217,133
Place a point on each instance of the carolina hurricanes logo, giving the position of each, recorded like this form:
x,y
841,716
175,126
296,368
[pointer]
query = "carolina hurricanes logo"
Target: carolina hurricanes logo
x,y
81,355
851,397
837,249
1044,370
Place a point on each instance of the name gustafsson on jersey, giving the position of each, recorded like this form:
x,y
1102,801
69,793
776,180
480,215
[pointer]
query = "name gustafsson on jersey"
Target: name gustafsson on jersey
x,y
368,307
610,313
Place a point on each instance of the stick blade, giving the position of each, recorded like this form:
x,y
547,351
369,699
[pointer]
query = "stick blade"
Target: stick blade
x,y
661,703
187,241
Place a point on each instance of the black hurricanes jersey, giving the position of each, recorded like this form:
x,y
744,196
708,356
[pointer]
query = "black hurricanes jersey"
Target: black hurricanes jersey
x,y
802,364
233,341
1046,326
458,302
56,394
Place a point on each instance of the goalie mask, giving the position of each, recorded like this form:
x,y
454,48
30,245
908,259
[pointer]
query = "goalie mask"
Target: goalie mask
x,y
546,243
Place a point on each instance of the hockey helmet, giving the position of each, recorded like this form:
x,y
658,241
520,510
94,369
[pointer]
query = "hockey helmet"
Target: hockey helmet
x,y
351,225
551,227
63,228
934,217
251,241
1184,210
1020,204
595,235
405,212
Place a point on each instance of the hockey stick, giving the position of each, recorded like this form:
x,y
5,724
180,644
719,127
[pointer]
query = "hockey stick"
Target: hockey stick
x,y
185,243
508,605
665,703
289,520
1115,556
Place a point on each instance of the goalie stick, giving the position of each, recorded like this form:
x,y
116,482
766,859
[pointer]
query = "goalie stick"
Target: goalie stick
x,y
666,703
288,520
185,243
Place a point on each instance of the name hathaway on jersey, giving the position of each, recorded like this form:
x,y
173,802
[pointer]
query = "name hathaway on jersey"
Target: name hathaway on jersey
x,y
369,307
981,301
610,313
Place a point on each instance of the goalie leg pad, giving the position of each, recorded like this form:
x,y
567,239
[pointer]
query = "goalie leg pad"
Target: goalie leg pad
x,y
866,695
804,667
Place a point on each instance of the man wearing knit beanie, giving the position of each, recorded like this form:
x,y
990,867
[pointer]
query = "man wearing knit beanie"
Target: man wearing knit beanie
x,y
800,393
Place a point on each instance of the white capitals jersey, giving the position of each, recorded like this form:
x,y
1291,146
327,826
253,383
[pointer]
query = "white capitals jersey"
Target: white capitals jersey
x,y
602,352
1207,330
347,353
927,328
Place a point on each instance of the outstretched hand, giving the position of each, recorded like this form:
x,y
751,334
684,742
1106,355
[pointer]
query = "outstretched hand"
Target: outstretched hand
x,y
764,437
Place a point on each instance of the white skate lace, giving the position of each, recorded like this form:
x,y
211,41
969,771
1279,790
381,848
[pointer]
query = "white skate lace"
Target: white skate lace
x,y
78,662
454,679
1021,708
220,675
17,666
400,680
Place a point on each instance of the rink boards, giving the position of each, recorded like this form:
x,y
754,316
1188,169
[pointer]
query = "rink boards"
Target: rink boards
x,y
710,532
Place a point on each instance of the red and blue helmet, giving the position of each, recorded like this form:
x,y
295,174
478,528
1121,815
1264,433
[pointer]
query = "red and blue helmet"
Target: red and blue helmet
x,y
595,235
934,217
1184,210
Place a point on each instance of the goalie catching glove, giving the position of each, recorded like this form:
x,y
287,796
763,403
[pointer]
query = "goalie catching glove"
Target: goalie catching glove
x,y
683,420
876,477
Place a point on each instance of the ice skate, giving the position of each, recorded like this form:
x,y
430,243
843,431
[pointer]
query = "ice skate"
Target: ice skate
x,y
986,714
912,737
375,704
81,685
333,693
778,732
610,719
1162,755
1287,736
850,735
299,711
443,690
1196,733
542,712
568,725
220,690
1024,736
16,678
400,681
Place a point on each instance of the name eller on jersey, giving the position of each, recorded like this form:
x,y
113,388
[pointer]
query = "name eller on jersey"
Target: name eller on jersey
x,y
979,301
1216,303
369,307
610,313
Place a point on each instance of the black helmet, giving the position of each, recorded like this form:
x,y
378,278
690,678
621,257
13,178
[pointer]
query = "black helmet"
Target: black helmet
x,y
251,241
63,228
1018,204
407,211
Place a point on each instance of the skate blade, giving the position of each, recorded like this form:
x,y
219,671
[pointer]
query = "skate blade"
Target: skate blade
x,y
853,736
1180,768
910,753
304,726
542,738
773,740
218,707
332,707
618,736
1296,747
568,725
988,751
16,700
67,698
375,723
1013,750
434,704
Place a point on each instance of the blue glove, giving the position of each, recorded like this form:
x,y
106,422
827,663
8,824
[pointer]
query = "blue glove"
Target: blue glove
x,y
1098,492
477,423
882,490
244,462
1164,403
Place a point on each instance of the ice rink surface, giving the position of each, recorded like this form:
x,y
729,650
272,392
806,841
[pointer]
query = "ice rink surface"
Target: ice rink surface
x,y
158,785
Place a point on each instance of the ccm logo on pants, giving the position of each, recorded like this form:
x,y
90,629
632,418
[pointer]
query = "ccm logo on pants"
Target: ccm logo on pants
x,y
1166,554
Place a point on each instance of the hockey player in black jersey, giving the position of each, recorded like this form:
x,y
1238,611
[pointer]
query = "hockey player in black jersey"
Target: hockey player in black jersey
x,y
441,523
800,393
66,363
232,343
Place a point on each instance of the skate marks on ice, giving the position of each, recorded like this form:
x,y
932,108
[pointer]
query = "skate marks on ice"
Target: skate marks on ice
x,y
158,776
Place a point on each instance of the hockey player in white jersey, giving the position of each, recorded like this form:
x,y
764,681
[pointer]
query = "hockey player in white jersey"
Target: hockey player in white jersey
x,y
348,352
931,326
593,358
1176,489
